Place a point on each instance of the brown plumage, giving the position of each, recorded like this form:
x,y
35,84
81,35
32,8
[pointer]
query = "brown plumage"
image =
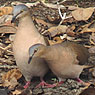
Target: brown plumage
x,y
26,36
66,60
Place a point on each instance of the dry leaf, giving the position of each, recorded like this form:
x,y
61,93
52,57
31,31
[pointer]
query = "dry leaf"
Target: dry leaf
x,y
70,31
65,36
72,7
56,30
43,22
92,38
17,92
11,84
11,37
92,50
54,6
52,42
5,10
11,74
11,77
7,29
87,30
82,13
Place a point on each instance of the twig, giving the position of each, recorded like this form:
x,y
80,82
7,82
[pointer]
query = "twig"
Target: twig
x,y
7,66
62,17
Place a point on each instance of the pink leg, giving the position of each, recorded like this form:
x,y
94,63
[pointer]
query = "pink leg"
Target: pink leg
x,y
43,83
79,80
55,84
27,84
82,82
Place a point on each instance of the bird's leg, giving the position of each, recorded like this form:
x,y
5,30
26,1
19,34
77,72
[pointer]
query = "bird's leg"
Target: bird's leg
x,y
55,84
79,80
43,83
27,84
82,82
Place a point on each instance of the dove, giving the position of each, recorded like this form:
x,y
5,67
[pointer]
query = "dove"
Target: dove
x,y
66,60
27,35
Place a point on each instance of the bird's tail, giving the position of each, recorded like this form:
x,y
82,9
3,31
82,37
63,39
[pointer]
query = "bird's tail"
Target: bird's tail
x,y
88,66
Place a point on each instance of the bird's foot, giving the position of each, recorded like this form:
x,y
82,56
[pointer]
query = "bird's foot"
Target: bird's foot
x,y
43,83
27,84
79,80
55,84
82,82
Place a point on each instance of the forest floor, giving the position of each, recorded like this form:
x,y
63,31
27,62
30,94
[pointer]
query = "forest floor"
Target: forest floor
x,y
79,26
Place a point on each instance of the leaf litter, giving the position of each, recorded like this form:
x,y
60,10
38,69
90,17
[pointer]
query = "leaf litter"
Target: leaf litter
x,y
58,23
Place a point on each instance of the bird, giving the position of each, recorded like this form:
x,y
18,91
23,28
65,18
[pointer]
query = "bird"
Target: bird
x,y
27,35
66,59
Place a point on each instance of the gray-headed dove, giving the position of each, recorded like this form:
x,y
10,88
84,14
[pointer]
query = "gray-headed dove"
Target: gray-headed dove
x,y
66,60
26,36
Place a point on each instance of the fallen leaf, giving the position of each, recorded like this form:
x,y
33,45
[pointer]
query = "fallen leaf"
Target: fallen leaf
x,y
71,8
56,30
43,22
10,84
52,42
5,10
92,50
17,92
87,30
11,37
7,29
57,39
92,38
82,13
70,31
11,74
54,6
93,72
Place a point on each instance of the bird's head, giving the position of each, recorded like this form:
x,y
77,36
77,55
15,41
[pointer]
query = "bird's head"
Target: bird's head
x,y
19,11
36,50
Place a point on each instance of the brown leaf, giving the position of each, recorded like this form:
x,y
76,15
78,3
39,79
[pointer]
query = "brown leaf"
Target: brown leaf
x,y
72,7
11,74
5,10
11,84
82,13
17,92
7,29
57,30
87,30
92,38
92,50
43,22
70,31
52,42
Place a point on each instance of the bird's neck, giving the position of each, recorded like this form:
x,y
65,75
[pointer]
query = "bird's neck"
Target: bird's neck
x,y
47,53
26,25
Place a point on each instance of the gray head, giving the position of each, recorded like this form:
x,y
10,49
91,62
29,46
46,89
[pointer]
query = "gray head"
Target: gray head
x,y
35,49
19,11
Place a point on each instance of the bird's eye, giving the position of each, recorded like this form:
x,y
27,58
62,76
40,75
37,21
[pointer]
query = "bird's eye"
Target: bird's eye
x,y
21,11
35,50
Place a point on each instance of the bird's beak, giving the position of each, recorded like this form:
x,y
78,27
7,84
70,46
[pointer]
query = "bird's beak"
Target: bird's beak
x,y
13,19
30,58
